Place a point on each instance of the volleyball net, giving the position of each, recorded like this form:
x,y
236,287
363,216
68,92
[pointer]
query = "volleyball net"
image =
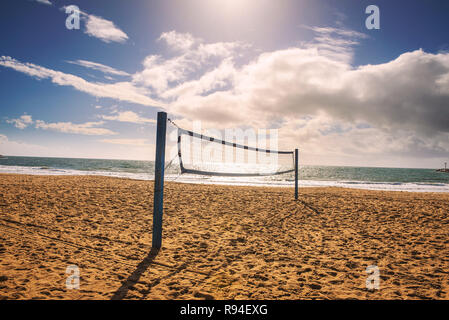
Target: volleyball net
x,y
205,155
202,154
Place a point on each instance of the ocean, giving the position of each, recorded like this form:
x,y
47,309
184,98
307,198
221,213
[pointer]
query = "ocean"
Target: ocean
x,y
390,179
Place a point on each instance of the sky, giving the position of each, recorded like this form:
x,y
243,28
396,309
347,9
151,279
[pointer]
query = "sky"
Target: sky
x,y
312,70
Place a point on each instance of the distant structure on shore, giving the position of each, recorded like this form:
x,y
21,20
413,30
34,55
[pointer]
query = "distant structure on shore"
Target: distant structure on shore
x,y
445,168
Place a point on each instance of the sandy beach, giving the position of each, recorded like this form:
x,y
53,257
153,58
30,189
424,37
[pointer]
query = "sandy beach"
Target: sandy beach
x,y
219,242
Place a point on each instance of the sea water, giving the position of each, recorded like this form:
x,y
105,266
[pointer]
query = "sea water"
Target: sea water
x,y
393,179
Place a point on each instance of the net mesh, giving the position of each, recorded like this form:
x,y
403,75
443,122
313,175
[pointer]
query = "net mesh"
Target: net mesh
x,y
205,155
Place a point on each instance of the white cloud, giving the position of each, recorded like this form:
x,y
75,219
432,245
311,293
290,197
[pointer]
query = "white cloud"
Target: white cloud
x,y
160,74
104,30
88,128
157,73
124,91
338,31
130,142
323,140
335,43
410,92
22,122
401,104
20,148
101,28
47,2
178,41
99,67
136,150
217,78
128,116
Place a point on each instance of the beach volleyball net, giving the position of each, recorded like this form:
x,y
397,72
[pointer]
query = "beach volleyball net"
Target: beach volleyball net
x,y
203,154
206,155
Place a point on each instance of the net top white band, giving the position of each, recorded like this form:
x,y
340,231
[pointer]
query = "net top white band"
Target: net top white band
x,y
231,144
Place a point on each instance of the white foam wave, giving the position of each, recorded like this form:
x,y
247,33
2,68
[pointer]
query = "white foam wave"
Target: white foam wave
x,y
381,186
257,181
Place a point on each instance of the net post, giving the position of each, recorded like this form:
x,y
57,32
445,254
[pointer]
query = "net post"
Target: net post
x,y
296,174
159,179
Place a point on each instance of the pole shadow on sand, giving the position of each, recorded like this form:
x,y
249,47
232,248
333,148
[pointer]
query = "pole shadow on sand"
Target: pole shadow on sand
x,y
135,276
309,207
143,266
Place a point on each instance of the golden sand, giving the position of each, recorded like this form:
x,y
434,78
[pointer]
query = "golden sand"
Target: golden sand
x,y
219,242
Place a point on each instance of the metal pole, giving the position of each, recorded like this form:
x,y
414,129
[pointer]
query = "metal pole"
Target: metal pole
x,y
159,179
296,174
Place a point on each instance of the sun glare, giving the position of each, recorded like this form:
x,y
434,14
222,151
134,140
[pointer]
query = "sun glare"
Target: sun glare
x,y
233,6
